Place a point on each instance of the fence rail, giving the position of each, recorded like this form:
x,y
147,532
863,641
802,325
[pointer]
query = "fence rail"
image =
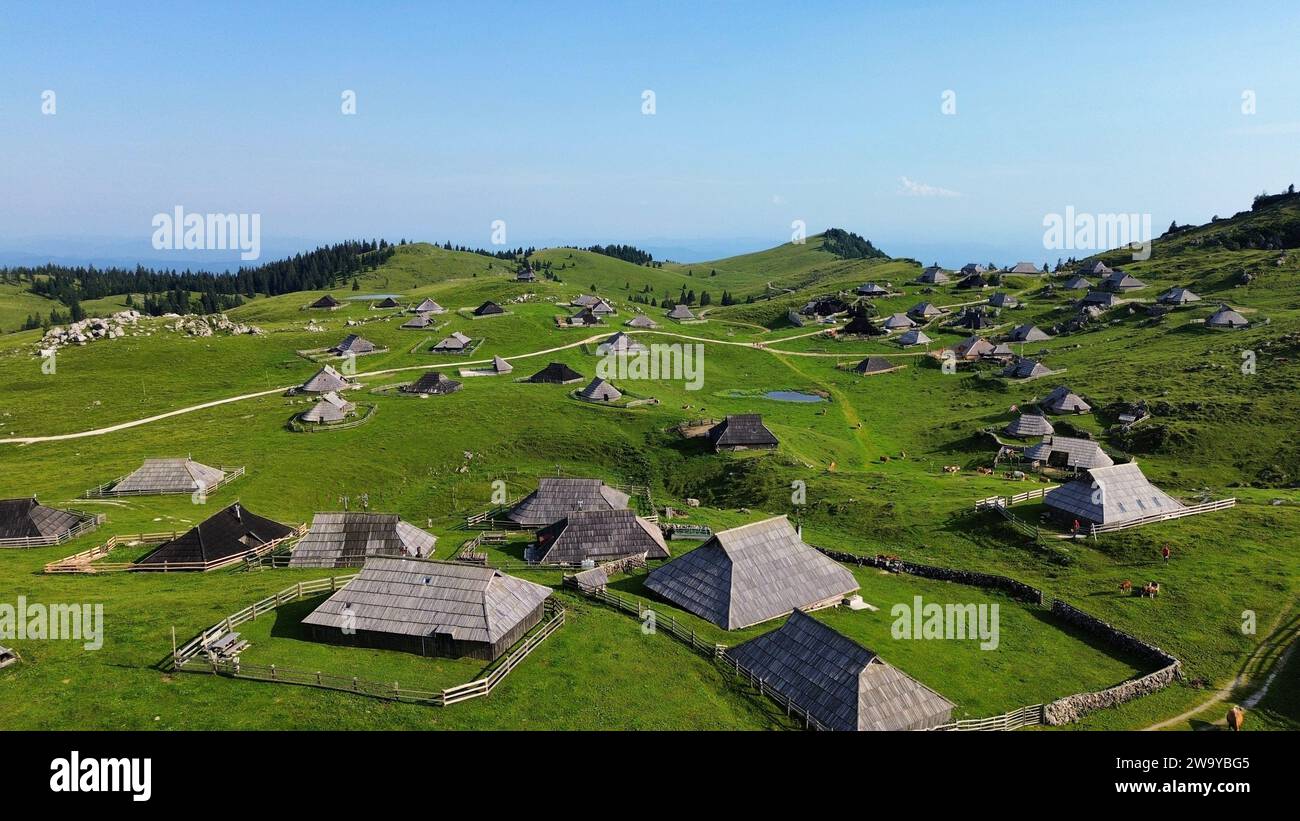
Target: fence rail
x,y
1205,507
194,657
87,523
1029,716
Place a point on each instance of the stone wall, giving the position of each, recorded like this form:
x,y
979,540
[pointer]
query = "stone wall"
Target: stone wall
x,y
1072,708
1013,588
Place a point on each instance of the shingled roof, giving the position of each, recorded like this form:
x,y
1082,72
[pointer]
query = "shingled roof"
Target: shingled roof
x,y
432,382
1104,299
872,289
428,306
1026,368
861,325
600,391
29,519
1110,495
1027,425
916,336
353,344
586,316
348,539
501,366
489,308
874,364
925,310
1120,281
418,321
225,534
973,281
387,302
169,476
742,430
456,342
1225,317
899,322
556,373
1178,296
1080,454
1077,283
751,574
619,343
642,321
1002,300
415,597
934,275
330,408
1024,268
1062,400
1028,333
602,535
326,301
557,497
973,347
680,312
326,380
842,685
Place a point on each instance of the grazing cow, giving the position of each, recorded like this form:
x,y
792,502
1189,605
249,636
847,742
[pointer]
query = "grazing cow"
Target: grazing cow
x,y
1126,586
1151,589
1235,718
952,469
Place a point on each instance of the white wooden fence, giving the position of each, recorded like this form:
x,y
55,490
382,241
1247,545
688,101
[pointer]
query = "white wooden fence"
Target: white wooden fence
x,y
1205,507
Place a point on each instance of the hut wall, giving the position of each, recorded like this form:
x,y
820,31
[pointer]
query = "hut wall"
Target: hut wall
x,y
436,646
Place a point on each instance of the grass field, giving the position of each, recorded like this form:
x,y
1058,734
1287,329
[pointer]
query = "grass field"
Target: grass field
x,y
1215,431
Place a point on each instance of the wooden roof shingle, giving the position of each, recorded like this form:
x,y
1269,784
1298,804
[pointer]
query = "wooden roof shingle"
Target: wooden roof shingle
x,y
169,476
556,497
348,539
1111,495
28,519
226,533
601,535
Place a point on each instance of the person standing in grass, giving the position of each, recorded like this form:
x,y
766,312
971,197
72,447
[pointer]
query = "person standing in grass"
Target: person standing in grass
x,y
1164,552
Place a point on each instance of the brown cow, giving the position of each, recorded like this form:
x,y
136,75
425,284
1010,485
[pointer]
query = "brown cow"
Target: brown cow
x,y
1235,718
1126,586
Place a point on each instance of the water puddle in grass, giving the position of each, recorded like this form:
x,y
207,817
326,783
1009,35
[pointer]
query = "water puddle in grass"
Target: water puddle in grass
x,y
793,396
365,297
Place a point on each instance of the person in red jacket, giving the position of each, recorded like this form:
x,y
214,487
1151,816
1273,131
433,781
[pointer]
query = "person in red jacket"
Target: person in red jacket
x,y
1164,551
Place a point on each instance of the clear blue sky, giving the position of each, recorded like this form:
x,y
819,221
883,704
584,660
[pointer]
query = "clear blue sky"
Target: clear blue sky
x,y
531,113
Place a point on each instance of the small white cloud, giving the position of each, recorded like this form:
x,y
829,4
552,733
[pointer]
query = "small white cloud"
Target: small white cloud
x,y
912,188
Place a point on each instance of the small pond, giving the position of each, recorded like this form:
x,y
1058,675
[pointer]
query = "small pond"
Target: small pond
x,y
793,396
367,297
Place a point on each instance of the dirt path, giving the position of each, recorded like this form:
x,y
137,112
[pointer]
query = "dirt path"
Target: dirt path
x,y
1288,635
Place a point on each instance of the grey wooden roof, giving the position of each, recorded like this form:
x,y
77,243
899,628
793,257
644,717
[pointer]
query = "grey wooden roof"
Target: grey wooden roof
x,y
1062,400
872,289
874,364
28,519
348,539
1110,495
598,390
526,275
586,316
619,343
324,381
899,322
680,312
1077,283
1002,300
1103,298
416,597
330,408
924,310
456,342
642,321
584,300
1178,296
1225,317
1095,268
1028,333
741,430
501,366
1120,281
557,497
751,574
973,281
226,533
417,321
556,373
169,476
433,382
973,346
602,535
933,276
843,685
488,308
1079,453
388,302
600,307
1024,268
326,301
1025,368
354,344
1029,424
974,319
428,306
915,336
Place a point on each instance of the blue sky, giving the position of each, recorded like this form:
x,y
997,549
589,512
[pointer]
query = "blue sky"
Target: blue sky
x,y
532,113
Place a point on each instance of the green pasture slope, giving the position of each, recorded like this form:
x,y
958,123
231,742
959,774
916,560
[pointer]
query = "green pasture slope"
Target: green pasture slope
x,y
1217,432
